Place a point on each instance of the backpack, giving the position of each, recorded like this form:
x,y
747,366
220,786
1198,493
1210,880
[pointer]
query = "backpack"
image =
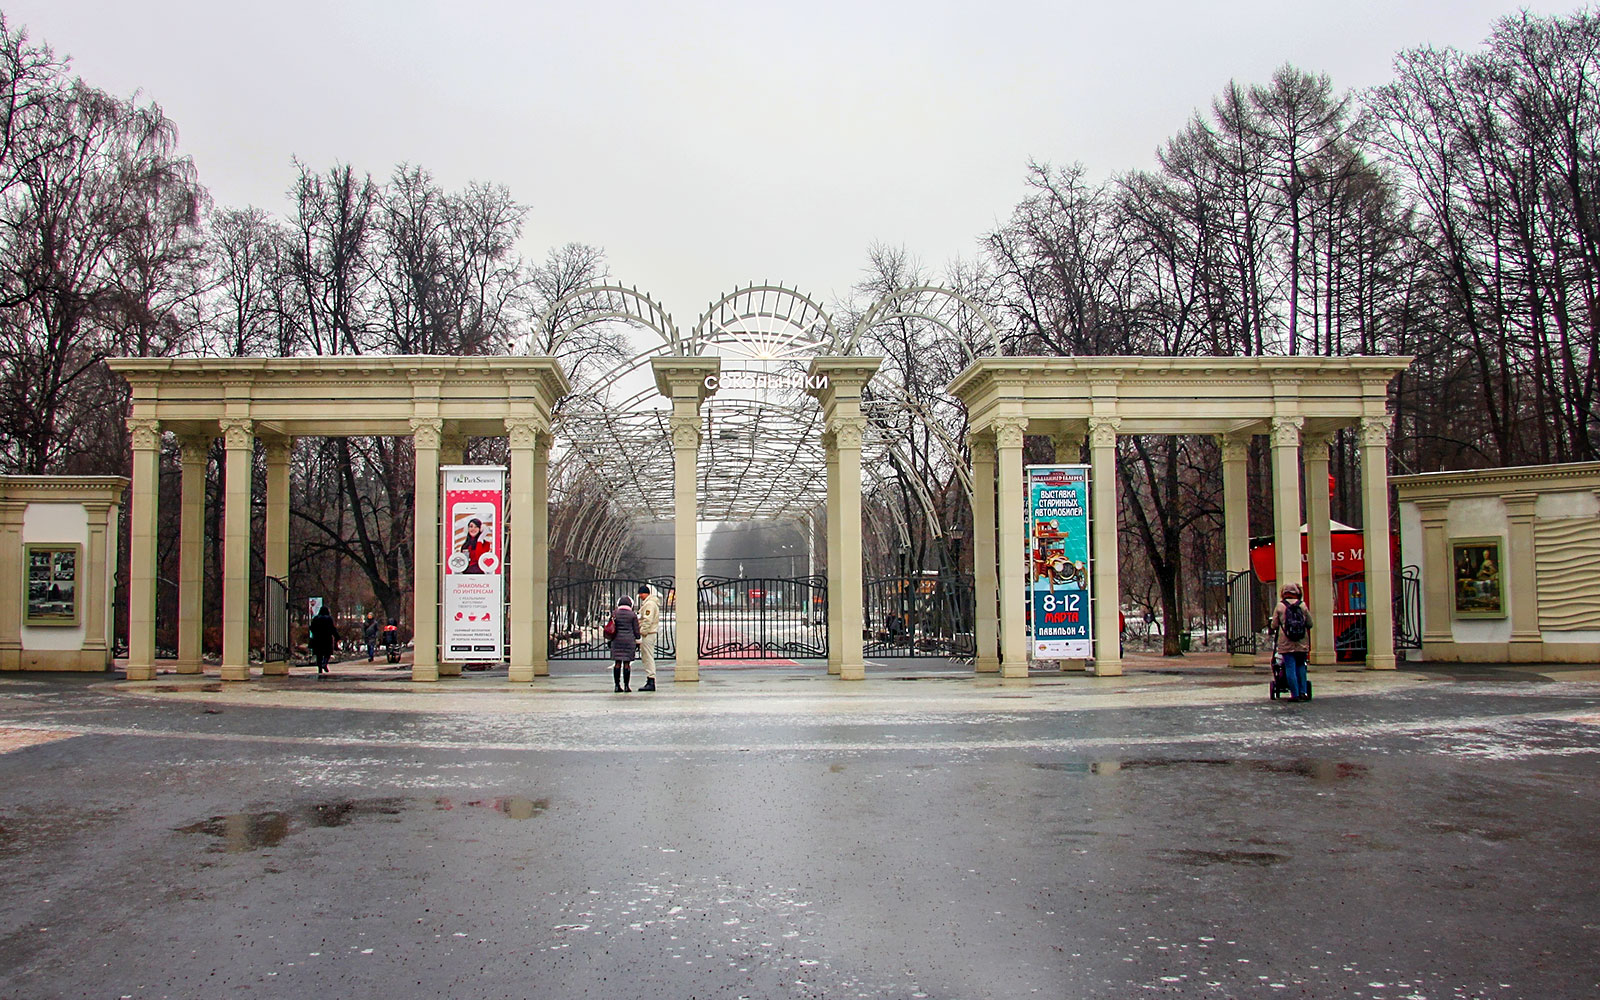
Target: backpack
x,y
1295,622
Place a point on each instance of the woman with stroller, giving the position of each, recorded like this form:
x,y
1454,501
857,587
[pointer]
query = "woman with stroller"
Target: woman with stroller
x,y
1291,637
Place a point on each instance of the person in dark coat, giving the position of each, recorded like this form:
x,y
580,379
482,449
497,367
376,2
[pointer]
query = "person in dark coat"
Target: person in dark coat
x,y
369,632
323,634
624,644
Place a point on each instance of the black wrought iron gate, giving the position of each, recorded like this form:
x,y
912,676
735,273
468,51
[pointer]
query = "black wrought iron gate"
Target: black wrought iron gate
x,y
763,618
579,609
1241,612
275,629
920,615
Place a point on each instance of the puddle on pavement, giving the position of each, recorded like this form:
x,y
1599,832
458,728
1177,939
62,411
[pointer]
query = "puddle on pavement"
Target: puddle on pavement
x,y
513,806
1242,859
1316,770
241,832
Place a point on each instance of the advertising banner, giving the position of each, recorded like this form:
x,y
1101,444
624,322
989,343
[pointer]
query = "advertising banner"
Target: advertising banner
x,y
1058,561
474,584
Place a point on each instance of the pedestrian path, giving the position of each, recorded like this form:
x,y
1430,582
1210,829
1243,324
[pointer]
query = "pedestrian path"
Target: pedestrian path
x,y
787,686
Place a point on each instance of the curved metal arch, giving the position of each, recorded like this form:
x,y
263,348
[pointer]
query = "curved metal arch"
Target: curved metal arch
x,y
755,318
602,304
918,302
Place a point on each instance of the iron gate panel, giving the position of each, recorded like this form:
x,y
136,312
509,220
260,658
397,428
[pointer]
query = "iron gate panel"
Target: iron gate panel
x,y
1241,612
275,630
1351,642
763,618
920,615
579,609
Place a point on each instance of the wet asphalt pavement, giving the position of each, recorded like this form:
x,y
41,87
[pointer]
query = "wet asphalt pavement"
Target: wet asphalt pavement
x,y
772,835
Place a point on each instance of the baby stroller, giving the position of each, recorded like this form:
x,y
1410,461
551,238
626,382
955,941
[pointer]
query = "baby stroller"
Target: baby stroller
x,y
391,641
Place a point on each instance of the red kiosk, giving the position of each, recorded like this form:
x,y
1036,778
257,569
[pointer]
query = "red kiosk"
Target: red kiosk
x,y
1349,581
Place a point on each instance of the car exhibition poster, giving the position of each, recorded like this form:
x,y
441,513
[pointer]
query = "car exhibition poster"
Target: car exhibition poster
x,y
1058,561
474,584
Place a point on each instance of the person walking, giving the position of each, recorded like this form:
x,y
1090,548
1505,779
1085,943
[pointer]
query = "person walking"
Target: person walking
x,y
1291,637
623,630
649,624
370,630
323,634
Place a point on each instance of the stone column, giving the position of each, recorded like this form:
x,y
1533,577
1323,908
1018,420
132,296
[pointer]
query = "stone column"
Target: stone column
x,y
1103,517
1375,530
1236,515
12,588
1438,579
94,586
837,383
1520,581
425,435
541,554
847,436
830,452
1319,546
193,452
239,438
1286,499
278,450
687,381
522,438
1013,570
985,581
686,541
146,436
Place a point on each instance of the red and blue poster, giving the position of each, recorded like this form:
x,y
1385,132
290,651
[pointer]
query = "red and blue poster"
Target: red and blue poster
x,y
474,591
1058,561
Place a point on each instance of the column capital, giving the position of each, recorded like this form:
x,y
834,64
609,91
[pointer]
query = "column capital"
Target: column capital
x,y
1103,431
1519,506
1374,431
1009,430
1234,447
685,432
194,447
1432,508
849,432
523,432
1286,431
146,433
982,446
278,449
1312,440
238,432
427,432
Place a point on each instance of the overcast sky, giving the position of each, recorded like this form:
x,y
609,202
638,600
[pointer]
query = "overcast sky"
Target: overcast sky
x,y
709,144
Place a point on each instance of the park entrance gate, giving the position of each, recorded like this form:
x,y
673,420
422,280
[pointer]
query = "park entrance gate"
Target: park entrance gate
x,y
579,610
763,618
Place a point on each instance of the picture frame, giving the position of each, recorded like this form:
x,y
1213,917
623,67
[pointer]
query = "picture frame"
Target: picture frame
x,y
1477,577
51,584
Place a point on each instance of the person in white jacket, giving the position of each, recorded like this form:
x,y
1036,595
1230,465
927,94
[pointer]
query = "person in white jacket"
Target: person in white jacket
x,y
649,624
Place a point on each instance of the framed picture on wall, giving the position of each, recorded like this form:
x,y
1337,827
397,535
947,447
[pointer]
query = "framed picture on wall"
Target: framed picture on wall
x,y
1479,581
51,586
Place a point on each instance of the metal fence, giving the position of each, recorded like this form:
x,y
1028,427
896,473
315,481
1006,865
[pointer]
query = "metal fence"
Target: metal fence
x,y
759,618
579,610
920,615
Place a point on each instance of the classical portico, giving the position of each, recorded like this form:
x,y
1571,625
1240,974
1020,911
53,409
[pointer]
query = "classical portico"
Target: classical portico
x,y
437,401
1297,402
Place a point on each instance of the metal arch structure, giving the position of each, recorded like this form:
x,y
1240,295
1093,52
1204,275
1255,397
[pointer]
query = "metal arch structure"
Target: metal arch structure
x,y
761,454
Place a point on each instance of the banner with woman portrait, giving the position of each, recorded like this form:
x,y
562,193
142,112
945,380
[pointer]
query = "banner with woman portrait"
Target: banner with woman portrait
x,y
474,590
